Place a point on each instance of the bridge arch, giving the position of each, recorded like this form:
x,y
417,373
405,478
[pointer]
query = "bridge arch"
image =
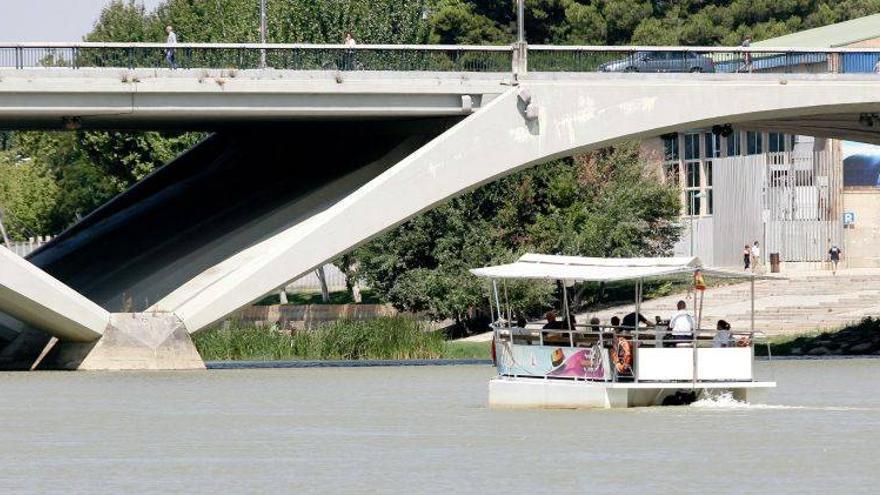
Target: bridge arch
x,y
572,116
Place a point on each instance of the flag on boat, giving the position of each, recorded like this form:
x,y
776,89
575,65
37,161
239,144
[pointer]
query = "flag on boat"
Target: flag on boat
x,y
699,282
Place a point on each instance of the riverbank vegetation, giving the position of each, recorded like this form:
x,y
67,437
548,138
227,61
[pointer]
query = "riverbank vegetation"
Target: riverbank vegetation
x,y
385,338
861,339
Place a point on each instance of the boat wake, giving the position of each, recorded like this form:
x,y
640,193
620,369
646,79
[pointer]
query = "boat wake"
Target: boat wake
x,y
725,400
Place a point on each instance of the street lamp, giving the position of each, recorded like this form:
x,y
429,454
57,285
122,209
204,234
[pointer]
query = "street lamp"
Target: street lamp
x,y
263,33
520,21
693,200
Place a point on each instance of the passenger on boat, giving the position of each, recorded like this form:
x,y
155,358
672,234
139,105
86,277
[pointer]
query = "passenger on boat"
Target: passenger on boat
x,y
621,353
722,334
682,323
594,324
552,322
615,322
629,321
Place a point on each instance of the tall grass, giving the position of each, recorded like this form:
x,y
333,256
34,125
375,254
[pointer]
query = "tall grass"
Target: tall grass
x,y
393,337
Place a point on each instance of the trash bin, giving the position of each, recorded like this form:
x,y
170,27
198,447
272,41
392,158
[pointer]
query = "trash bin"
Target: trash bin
x,y
774,262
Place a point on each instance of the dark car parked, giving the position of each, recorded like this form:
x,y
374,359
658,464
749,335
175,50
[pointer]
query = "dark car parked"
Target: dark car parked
x,y
660,62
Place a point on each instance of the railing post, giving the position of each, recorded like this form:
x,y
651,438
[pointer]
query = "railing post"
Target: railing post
x,y
18,58
834,61
520,58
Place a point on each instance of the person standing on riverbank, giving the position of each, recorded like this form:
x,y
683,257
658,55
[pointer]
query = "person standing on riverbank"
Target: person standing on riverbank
x,y
834,253
169,52
756,258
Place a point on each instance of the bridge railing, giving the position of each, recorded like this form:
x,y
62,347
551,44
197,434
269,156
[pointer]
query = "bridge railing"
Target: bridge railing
x,y
753,60
446,58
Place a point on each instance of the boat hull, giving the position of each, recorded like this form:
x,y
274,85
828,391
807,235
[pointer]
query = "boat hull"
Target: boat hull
x,y
569,394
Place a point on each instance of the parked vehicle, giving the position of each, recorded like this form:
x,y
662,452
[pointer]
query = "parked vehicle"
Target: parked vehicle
x,y
661,62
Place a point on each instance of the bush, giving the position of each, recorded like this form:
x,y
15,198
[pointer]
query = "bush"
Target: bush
x,y
386,338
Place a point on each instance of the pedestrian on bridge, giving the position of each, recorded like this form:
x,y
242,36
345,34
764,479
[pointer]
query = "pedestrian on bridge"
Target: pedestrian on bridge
x,y
747,56
348,58
169,51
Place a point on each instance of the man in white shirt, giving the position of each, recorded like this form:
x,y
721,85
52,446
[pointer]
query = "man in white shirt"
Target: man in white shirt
x,y
682,323
756,258
169,52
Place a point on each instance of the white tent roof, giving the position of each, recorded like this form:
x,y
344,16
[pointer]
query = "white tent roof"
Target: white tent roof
x,y
548,267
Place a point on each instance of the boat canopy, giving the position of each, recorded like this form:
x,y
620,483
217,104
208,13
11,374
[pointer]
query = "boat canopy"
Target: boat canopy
x,y
583,269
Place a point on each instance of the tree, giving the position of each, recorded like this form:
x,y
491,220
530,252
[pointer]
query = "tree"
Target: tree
x,y
128,157
600,204
27,197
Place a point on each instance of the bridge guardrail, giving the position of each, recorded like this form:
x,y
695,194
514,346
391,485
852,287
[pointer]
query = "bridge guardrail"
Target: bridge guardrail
x,y
445,58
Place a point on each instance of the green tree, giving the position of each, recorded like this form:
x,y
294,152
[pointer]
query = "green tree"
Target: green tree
x,y
27,197
127,157
600,204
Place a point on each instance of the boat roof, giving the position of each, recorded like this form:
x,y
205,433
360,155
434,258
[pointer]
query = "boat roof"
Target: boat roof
x,y
584,269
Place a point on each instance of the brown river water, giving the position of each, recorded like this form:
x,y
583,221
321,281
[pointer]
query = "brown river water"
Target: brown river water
x,y
426,430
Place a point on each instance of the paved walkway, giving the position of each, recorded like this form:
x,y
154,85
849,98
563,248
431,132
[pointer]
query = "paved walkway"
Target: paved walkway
x,y
803,302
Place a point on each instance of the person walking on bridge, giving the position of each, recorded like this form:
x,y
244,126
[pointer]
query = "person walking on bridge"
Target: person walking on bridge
x,y
747,56
348,61
169,51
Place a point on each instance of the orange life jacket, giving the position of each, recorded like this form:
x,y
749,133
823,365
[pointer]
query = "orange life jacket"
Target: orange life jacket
x,y
622,357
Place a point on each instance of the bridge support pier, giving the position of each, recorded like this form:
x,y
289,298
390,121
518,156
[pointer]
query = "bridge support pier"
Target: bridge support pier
x,y
132,341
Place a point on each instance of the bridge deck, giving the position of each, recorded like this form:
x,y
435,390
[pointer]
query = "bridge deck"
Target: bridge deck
x,y
210,99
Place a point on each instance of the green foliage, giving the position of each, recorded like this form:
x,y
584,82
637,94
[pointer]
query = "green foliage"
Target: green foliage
x,y
658,22
126,21
288,21
600,204
466,350
27,197
311,297
394,337
126,158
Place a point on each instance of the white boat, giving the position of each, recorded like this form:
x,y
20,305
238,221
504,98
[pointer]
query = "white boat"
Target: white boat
x,y
605,366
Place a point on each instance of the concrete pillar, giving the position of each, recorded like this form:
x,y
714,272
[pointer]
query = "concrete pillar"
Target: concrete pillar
x,y
132,341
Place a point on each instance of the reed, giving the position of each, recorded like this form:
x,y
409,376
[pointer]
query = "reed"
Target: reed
x,y
386,338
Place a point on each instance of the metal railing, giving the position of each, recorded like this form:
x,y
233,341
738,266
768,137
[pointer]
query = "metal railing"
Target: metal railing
x,y
608,337
445,58
518,58
24,248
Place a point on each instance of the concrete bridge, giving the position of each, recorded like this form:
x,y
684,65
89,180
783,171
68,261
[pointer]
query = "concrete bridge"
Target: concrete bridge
x,y
304,165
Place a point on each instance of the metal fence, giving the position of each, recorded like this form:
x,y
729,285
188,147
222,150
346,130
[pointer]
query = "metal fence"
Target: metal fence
x,y
24,248
444,58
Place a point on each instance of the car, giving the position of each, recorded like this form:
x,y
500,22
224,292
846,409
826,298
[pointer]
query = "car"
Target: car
x,y
661,61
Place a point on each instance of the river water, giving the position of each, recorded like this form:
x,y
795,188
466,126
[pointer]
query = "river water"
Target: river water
x,y
426,430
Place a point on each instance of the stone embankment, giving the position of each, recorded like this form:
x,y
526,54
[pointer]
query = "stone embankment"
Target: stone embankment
x,y
798,304
862,339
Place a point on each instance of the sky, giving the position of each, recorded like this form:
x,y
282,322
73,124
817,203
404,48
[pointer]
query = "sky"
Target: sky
x,y
51,20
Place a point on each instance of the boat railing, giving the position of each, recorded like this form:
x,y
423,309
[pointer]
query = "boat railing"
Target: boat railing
x,y
661,335
609,337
